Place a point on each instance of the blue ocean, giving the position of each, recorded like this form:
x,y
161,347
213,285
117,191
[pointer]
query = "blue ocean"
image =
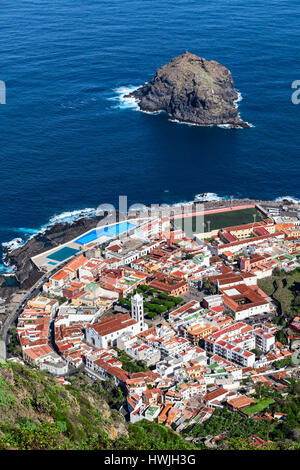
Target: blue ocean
x,y
68,140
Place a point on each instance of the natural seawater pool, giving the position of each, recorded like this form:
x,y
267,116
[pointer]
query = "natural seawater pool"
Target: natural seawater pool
x,y
62,254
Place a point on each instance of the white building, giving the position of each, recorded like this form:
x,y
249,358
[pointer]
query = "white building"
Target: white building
x,y
137,310
264,340
105,333
232,352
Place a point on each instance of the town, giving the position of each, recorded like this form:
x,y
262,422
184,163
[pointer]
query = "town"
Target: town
x,y
187,326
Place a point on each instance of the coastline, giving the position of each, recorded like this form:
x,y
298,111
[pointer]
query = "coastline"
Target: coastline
x,y
26,273
128,100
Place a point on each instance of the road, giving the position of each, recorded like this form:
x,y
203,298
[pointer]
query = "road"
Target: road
x,y
12,316
33,292
2,350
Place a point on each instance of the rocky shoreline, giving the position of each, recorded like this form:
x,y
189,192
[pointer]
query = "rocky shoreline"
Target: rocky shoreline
x,y
27,273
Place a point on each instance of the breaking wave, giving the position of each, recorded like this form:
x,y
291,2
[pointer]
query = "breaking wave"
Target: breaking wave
x,y
70,216
122,100
13,244
209,197
6,267
29,233
288,198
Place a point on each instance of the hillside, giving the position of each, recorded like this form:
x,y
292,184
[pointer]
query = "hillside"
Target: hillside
x,y
38,413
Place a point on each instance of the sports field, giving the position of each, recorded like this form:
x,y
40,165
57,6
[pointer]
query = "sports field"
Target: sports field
x,y
209,222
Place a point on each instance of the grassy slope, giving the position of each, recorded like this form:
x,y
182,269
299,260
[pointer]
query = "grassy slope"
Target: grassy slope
x,y
287,289
38,413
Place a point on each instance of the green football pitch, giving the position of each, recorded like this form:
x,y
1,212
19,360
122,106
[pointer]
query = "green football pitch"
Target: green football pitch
x,y
209,222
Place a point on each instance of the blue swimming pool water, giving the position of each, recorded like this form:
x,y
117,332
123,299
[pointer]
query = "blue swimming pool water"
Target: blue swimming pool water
x,y
62,254
110,231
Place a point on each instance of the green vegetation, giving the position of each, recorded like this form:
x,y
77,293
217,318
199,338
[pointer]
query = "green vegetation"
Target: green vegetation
x,y
60,299
284,434
129,364
258,406
283,363
161,304
38,413
238,443
255,351
145,435
209,287
217,221
289,427
285,289
228,423
13,346
154,303
7,399
125,303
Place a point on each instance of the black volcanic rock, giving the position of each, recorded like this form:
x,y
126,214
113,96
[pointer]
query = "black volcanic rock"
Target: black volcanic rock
x,y
26,271
193,90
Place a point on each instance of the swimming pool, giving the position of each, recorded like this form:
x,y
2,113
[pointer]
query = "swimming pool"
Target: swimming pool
x,y
110,231
62,254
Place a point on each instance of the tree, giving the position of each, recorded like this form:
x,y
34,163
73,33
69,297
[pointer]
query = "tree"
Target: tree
x,y
276,271
209,286
255,351
151,315
280,336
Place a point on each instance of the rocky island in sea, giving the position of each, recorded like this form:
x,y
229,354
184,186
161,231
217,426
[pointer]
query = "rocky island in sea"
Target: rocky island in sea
x,y
192,90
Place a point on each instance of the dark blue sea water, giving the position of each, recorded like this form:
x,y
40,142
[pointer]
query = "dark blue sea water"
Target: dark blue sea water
x,y
65,145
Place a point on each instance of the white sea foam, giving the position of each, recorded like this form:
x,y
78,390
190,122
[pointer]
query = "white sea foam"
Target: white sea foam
x,y
122,100
17,242
13,244
239,98
213,197
70,216
151,112
6,267
208,198
185,123
64,217
125,102
230,126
